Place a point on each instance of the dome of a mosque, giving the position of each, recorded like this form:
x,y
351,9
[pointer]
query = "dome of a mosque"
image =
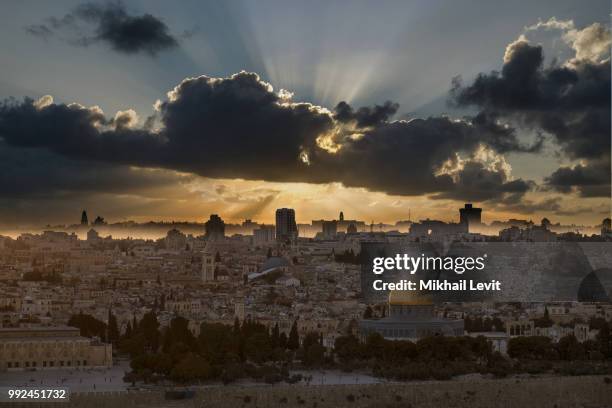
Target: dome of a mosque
x,y
592,289
409,297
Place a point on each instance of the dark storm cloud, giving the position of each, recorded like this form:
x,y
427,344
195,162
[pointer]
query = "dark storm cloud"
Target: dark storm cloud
x,y
110,23
238,127
591,179
365,116
570,102
73,131
404,157
524,206
37,172
475,182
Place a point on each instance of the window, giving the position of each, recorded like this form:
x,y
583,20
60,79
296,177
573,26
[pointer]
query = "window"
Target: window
x,y
44,363
9,364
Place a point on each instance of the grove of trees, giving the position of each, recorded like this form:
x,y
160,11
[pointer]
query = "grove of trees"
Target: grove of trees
x,y
250,350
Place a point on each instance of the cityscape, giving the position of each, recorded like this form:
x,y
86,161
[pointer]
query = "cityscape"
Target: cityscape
x,y
110,305
260,204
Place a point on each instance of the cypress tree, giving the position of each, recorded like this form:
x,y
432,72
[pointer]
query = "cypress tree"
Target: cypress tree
x,y
293,343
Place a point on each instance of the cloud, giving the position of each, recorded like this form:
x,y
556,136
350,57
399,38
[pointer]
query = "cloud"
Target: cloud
x,y
37,172
591,43
110,23
239,127
484,176
365,116
526,206
39,30
570,101
125,119
591,179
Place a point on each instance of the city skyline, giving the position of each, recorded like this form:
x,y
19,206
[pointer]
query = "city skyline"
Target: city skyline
x,y
188,117
288,226
458,218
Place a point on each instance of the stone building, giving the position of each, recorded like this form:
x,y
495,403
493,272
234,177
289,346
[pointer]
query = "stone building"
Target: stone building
x,y
411,317
43,348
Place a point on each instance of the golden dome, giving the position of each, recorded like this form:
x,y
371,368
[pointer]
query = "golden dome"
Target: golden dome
x,y
408,297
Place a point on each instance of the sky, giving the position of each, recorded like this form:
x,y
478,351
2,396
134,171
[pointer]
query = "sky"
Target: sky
x,y
171,111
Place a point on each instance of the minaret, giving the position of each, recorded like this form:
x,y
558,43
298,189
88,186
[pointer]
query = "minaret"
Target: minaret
x,y
341,216
84,220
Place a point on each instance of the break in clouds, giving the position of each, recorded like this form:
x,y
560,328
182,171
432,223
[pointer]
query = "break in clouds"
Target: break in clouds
x,y
239,127
108,23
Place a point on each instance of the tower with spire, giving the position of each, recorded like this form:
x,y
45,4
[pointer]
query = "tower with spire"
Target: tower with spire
x,y
84,220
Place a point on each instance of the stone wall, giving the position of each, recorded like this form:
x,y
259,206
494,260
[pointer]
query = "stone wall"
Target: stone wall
x,y
554,392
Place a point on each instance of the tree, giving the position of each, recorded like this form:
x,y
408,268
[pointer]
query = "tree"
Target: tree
x,y
282,340
149,327
88,325
310,339
604,337
178,333
531,348
347,348
314,355
258,348
275,336
569,348
218,343
293,343
236,326
113,328
128,330
191,367
544,321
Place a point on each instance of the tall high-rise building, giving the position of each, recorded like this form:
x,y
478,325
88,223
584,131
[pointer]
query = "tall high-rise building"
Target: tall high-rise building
x,y
215,228
286,227
470,216
84,220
